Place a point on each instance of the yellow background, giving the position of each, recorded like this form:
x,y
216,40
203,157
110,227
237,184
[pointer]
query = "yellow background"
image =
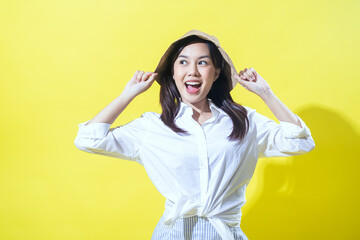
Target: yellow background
x,y
63,61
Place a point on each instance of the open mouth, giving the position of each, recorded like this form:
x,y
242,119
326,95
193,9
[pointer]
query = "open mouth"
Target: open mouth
x,y
192,87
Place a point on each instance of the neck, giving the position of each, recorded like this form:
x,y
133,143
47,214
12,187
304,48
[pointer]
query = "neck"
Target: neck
x,y
200,107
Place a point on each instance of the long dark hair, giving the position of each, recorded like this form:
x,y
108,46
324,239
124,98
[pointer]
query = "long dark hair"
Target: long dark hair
x,y
219,92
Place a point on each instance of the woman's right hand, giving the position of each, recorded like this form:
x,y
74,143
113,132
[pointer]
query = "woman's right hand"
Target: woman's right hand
x,y
139,83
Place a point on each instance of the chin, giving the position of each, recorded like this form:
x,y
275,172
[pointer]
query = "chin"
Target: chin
x,y
192,99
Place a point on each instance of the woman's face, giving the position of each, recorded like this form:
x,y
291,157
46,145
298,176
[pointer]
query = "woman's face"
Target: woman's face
x,y
194,73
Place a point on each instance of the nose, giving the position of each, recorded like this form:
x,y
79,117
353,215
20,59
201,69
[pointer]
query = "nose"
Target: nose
x,y
193,70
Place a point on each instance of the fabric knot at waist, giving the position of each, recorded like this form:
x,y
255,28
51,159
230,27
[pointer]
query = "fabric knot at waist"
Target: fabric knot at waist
x,y
188,207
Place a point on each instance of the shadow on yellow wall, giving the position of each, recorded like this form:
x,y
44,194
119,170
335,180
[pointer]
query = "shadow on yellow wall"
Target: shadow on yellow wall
x,y
312,196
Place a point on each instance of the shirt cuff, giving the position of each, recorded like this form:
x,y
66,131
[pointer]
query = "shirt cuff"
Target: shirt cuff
x,y
94,130
294,131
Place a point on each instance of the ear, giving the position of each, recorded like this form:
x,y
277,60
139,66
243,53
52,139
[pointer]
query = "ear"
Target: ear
x,y
217,73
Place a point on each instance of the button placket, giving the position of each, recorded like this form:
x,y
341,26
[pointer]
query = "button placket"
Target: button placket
x,y
203,160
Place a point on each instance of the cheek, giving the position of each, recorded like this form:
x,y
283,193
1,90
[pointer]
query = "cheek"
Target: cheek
x,y
209,86
178,83
178,72
209,75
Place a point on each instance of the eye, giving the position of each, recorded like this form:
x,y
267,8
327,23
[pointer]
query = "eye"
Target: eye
x,y
203,62
182,61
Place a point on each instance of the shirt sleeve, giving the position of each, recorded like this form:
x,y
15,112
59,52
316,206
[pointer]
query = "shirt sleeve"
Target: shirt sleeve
x,y
122,142
280,139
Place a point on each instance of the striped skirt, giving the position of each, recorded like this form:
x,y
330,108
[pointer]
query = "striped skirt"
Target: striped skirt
x,y
192,228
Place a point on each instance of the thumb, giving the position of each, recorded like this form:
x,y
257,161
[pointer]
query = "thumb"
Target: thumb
x,y
243,83
151,79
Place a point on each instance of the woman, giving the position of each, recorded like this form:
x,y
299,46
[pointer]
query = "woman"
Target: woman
x,y
201,152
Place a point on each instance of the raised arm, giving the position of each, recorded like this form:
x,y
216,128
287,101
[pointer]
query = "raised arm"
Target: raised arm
x,y
124,141
290,137
139,83
253,82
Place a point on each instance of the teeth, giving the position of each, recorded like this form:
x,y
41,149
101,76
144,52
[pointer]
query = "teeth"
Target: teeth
x,y
193,83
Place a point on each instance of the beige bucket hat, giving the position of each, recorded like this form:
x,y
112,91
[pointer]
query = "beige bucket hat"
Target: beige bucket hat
x,y
230,70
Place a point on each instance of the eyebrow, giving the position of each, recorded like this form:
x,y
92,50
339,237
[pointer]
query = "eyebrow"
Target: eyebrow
x,y
204,56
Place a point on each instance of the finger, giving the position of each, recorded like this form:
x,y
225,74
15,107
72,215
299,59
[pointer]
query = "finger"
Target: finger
x,y
247,75
145,76
242,82
253,72
242,75
135,75
151,79
139,76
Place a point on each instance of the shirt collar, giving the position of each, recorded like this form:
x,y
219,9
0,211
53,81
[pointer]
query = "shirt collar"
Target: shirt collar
x,y
187,110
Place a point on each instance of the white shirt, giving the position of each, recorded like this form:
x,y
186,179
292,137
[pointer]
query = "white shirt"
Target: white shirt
x,y
202,173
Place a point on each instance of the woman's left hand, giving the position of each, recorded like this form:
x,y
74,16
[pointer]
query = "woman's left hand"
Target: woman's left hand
x,y
253,82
